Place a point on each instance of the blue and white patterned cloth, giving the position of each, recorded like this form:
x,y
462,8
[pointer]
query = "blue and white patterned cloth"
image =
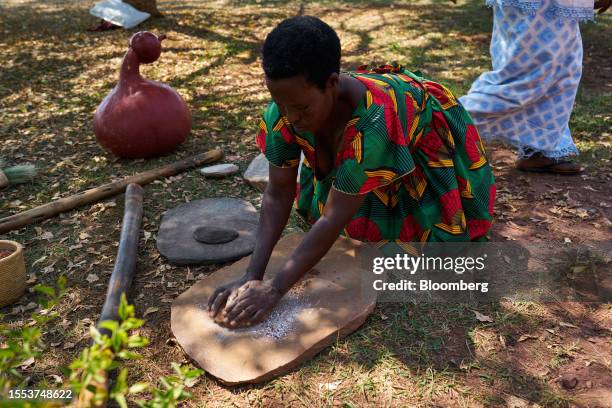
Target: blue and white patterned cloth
x,y
528,97
581,10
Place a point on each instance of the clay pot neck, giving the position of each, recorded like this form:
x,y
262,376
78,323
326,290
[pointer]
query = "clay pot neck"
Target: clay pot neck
x,y
130,68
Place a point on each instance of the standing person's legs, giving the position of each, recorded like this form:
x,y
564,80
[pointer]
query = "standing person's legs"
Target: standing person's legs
x,y
528,98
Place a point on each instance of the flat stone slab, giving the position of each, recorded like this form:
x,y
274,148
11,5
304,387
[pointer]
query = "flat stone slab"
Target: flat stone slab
x,y
176,241
330,301
219,170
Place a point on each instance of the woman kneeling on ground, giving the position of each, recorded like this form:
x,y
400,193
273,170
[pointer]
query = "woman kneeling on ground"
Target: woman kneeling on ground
x,y
389,158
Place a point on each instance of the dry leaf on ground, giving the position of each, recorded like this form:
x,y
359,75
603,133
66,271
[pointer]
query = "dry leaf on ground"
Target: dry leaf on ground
x,y
482,318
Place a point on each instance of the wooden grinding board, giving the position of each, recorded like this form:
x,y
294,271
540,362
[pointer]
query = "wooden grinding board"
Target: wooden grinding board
x,y
329,302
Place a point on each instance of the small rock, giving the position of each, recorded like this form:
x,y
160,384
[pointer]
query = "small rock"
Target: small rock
x,y
589,384
512,401
219,170
569,381
214,235
257,173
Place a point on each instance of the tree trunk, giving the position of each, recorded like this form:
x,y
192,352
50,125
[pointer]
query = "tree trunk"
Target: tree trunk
x,y
148,6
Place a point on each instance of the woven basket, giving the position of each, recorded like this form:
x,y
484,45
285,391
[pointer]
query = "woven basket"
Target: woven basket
x,y
12,273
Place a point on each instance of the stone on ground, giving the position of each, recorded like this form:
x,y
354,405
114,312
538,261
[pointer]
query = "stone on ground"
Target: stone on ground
x,y
257,174
175,239
214,235
219,170
329,302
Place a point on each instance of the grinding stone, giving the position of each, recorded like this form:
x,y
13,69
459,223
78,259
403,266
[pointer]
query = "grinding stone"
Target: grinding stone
x,y
329,302
175,238
219,170
214,235
258,172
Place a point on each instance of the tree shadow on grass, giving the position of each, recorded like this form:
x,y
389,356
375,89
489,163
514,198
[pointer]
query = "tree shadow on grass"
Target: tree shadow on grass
x,y
430,346
445,343
39,34
42,52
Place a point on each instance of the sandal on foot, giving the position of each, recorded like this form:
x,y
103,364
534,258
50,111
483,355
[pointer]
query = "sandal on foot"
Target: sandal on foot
x,y
542,164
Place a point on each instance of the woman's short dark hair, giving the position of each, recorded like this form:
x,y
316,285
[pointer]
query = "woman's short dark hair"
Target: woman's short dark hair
x,y
302,45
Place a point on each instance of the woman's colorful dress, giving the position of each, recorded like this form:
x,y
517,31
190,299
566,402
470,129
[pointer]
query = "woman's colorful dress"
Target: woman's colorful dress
x,y
411,148
536,53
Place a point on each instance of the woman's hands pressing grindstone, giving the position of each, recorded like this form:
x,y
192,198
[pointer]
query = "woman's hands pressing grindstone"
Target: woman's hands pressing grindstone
x,y
243,302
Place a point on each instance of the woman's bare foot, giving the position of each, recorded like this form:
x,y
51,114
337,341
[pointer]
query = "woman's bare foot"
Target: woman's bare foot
x,y
538,163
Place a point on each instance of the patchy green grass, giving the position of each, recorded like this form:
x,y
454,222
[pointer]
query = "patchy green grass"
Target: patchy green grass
x,y
55,73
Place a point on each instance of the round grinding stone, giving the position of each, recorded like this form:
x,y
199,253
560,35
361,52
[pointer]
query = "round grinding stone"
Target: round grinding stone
x,y
214,235
175,239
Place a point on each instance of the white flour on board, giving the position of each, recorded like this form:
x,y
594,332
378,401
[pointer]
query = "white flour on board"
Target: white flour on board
x,y
277,325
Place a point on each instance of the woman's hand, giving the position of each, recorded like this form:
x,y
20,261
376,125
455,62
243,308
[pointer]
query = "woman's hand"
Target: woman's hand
x,y
275,209
219,297
251,303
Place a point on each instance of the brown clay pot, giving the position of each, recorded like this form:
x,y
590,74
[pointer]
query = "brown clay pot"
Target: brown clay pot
x,y
141,118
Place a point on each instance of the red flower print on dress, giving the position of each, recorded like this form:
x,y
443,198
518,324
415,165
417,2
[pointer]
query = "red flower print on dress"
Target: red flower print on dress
x,y
410,231
363,229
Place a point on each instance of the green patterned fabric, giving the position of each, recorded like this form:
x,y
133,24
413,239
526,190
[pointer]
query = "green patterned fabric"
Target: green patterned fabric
x,y
410,148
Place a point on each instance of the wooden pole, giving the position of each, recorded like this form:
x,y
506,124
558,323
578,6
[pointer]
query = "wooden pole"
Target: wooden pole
x,y
125,264
107,190
120,282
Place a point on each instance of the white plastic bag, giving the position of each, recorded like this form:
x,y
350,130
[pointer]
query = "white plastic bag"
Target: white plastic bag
x,y
119,13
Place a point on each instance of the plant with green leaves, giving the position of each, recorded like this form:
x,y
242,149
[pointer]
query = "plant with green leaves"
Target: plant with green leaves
x,y
173,390
112,344
21,345
88,377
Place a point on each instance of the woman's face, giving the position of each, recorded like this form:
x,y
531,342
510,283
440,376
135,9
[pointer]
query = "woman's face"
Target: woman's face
x,y
305,105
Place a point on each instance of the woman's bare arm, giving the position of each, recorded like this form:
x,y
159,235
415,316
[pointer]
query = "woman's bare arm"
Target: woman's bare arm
x,y
259,297
275,209
338,211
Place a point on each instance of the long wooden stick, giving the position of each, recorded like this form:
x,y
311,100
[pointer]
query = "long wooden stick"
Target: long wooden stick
x,y
125,264
98,193
120,282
